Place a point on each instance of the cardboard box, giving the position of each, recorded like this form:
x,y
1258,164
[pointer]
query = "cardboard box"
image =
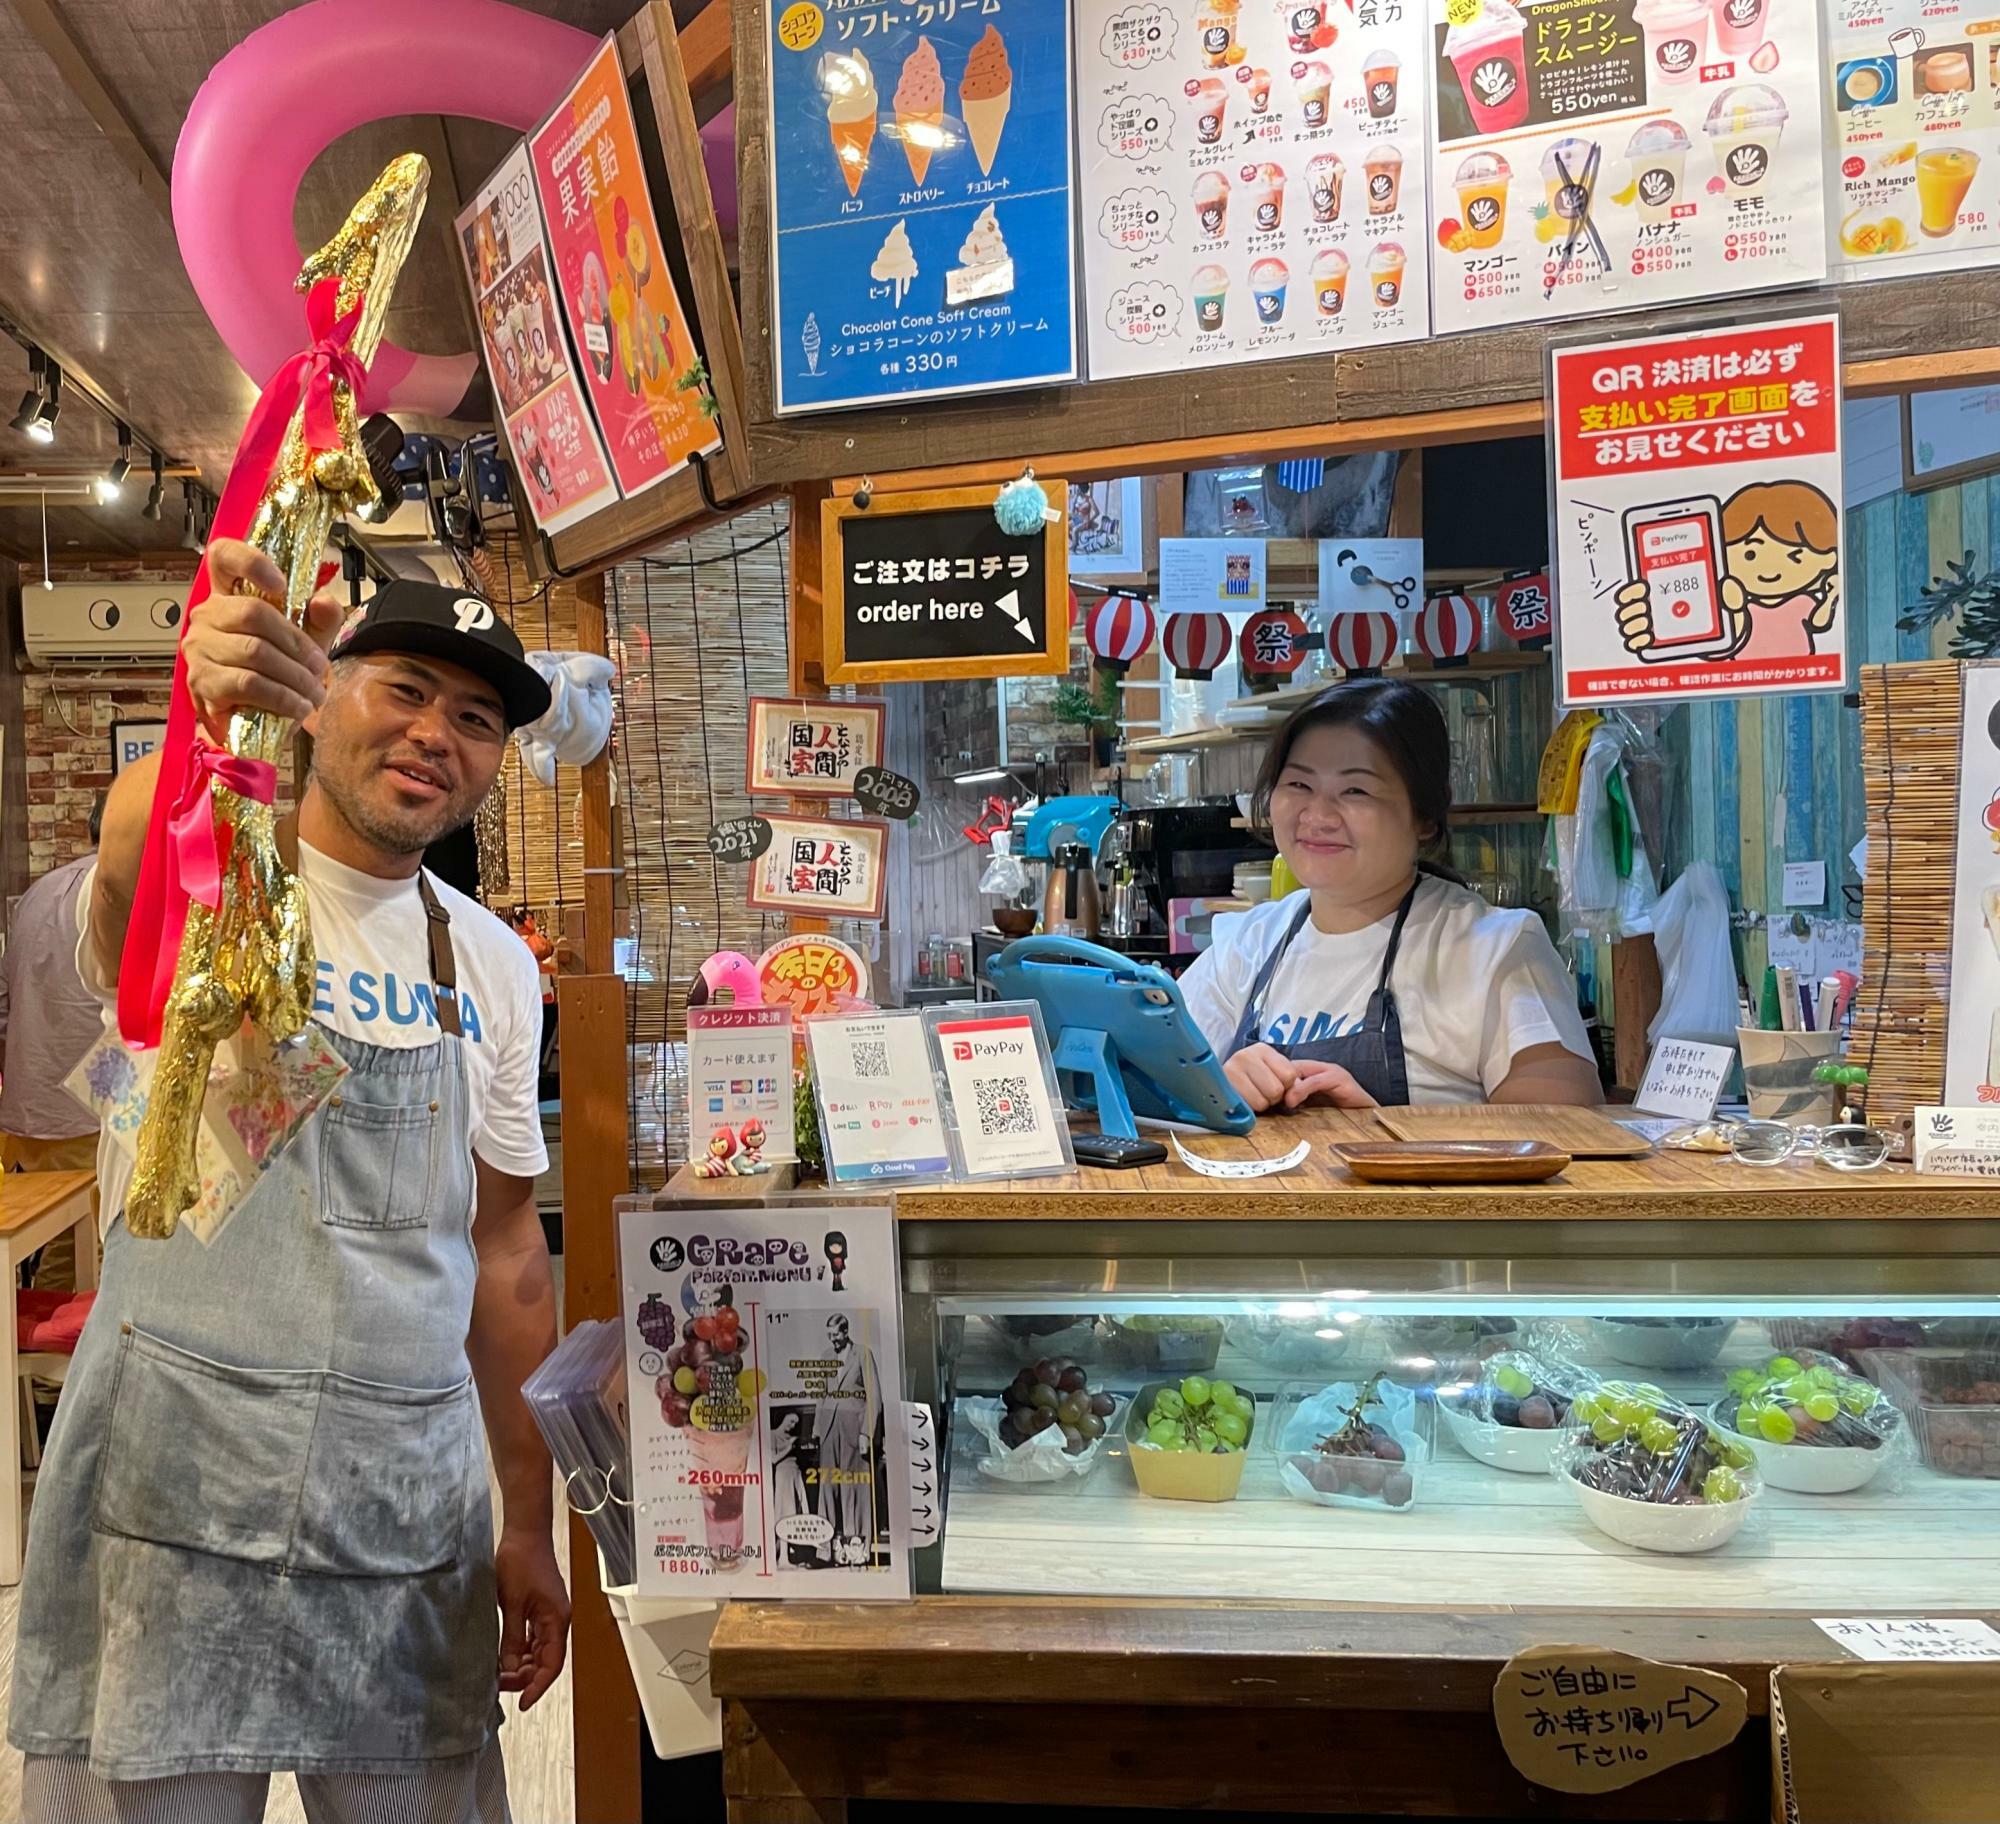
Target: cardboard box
x,y
1885,1743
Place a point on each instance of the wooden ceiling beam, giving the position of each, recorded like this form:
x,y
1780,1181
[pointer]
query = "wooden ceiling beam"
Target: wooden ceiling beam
x,y
51,31
705,50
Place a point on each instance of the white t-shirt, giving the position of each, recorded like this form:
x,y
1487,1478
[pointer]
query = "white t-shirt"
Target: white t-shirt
x,y
1474,987
375,985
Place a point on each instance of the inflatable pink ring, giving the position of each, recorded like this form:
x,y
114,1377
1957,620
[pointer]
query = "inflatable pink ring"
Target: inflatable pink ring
x,y
285,94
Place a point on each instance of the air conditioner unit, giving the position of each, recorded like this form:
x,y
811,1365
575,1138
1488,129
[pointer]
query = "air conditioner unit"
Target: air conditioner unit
x,y
103,625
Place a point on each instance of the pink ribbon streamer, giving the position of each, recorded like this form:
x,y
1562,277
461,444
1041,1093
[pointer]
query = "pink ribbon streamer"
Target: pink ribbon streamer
x,y
182,856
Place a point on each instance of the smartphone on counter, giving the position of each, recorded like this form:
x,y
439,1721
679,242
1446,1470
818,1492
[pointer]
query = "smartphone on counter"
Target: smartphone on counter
x,y
1676,549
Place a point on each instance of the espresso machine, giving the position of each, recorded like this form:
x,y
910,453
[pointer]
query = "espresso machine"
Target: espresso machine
x,y
1182,855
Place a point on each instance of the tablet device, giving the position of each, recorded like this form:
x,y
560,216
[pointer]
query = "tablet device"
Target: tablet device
x,y
1123,1040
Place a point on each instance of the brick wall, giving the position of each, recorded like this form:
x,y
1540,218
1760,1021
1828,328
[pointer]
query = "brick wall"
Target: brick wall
x,y
68,729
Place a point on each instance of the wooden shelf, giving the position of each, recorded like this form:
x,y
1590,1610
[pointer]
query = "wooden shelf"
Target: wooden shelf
x,y
1195,741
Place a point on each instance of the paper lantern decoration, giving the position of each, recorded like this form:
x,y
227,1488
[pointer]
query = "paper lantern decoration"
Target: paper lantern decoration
x,y
1362,643
1120,629
1195,644
1525,608
1447,629
1272,643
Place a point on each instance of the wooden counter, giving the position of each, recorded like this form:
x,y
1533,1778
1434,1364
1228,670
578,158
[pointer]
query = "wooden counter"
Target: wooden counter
x,y
1098,1641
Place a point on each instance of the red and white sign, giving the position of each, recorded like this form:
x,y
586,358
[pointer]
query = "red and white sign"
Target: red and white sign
x,y
1523,607
1447,629
823,868
1120,629
1195,644
1273,643
1361,644
1697,513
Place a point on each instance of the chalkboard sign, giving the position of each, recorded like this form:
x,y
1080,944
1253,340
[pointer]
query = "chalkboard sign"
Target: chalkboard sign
x,y
739,838
926,585
885,793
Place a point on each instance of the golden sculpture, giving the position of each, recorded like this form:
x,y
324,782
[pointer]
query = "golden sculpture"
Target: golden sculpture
x,y
253,954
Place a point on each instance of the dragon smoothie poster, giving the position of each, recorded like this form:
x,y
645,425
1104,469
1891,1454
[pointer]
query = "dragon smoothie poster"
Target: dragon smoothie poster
x,y
921,199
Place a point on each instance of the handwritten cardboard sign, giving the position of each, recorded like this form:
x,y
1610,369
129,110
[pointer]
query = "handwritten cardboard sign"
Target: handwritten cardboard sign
x,y
1587,1719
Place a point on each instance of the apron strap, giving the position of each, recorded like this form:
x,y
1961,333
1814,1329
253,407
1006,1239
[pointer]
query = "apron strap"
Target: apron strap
x,y
444,963
1396,934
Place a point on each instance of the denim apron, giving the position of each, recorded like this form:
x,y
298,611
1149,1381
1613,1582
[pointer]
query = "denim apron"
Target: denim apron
x,y
262,1535
1371,1055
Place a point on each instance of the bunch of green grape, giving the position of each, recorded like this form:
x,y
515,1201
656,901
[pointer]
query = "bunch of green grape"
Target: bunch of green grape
x,y
1642,1444
1202,1415
1789,1402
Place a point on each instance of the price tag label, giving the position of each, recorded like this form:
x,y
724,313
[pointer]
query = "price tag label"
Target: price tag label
x,y
739,839
884,792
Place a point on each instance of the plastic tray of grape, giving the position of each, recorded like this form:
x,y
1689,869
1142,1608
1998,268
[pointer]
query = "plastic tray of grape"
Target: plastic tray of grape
x,y
1049,1428
1359,1446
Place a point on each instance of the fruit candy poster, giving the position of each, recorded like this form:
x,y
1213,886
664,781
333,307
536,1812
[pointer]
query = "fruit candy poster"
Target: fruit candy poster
x,y
1623,153
1253,178
1913,179
631,334
920,199
762,1353
550,429
1695,513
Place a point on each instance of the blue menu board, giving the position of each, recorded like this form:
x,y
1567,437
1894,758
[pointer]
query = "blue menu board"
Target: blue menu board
x,y
921,199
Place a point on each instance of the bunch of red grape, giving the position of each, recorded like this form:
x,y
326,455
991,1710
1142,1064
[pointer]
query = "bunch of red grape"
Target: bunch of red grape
x,y
708,1360
1055,1391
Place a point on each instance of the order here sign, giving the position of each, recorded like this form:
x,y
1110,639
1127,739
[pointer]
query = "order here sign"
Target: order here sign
x,y
927,585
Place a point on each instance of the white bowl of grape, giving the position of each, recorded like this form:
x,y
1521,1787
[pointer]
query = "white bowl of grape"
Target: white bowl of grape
x,y
1814,1428
1653,1474
1663,1342
1513,1416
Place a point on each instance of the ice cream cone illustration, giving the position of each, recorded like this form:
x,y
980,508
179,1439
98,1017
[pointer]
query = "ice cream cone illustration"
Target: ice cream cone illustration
x,y
987,270
920,107
896,264
985,95
851,106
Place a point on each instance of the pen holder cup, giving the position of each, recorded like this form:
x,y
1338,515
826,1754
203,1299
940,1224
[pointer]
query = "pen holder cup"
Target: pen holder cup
x,y
1778,1075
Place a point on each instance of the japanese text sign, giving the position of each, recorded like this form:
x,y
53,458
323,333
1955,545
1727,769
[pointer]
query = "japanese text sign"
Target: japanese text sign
x,y
739,1076
1684,1078
1696,521
639,358
927,585
812,748
823,868
1881,1637
1588,1719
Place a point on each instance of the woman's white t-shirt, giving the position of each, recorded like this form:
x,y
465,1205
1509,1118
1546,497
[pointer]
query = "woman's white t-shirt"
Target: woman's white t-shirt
x,y
374,984
1475,986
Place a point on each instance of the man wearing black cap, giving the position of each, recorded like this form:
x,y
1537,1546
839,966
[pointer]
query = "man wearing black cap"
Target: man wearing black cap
x,y
262,1537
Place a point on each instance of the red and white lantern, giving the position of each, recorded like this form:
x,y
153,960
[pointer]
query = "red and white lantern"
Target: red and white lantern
x,y
1195,644
1273,643
1361,644
1525,608
1447,629
1120,629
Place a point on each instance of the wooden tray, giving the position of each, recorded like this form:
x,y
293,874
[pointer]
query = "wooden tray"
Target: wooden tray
x,y
1451,1161
1582,1133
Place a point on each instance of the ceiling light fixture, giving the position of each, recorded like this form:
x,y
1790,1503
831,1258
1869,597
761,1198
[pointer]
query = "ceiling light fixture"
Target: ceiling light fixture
x,y
42,428
113,482
31,400
189,537
157,494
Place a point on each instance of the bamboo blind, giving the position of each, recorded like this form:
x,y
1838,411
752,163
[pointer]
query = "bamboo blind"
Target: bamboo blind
x,y
1910,721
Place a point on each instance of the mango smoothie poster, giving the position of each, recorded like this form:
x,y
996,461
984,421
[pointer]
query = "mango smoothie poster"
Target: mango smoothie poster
x,y
1620,153
625,317
1913,177
921,210
1253,178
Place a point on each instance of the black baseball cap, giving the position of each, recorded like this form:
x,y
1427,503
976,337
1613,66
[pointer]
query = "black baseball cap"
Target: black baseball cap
x,y
450,624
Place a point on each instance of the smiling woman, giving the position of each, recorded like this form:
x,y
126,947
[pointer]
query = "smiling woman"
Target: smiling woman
x,y
1384,979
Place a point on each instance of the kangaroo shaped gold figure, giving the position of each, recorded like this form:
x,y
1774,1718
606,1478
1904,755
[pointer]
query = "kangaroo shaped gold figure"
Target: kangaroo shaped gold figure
x,y
253,953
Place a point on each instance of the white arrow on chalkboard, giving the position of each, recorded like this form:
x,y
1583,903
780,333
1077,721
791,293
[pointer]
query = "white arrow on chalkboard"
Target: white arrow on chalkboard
x,y
1010,605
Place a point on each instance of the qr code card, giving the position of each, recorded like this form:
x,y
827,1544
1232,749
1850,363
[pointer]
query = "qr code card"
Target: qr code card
x,y
1007,1114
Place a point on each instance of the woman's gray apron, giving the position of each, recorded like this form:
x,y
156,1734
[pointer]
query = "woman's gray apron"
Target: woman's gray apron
x,y
262,1537
1372,1054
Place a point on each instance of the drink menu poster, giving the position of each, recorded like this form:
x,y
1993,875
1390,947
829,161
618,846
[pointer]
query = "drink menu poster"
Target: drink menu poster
x,y
762,1356
1913,171
920,199
1253,178
550,430
1621,153
632,337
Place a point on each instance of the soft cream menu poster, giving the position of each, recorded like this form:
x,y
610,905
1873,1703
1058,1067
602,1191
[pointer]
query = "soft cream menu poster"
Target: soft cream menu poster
x,y
1253,178
1602,156
1913,175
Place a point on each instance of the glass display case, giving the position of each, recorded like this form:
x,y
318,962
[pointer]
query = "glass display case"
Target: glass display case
x,y
1760,1418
